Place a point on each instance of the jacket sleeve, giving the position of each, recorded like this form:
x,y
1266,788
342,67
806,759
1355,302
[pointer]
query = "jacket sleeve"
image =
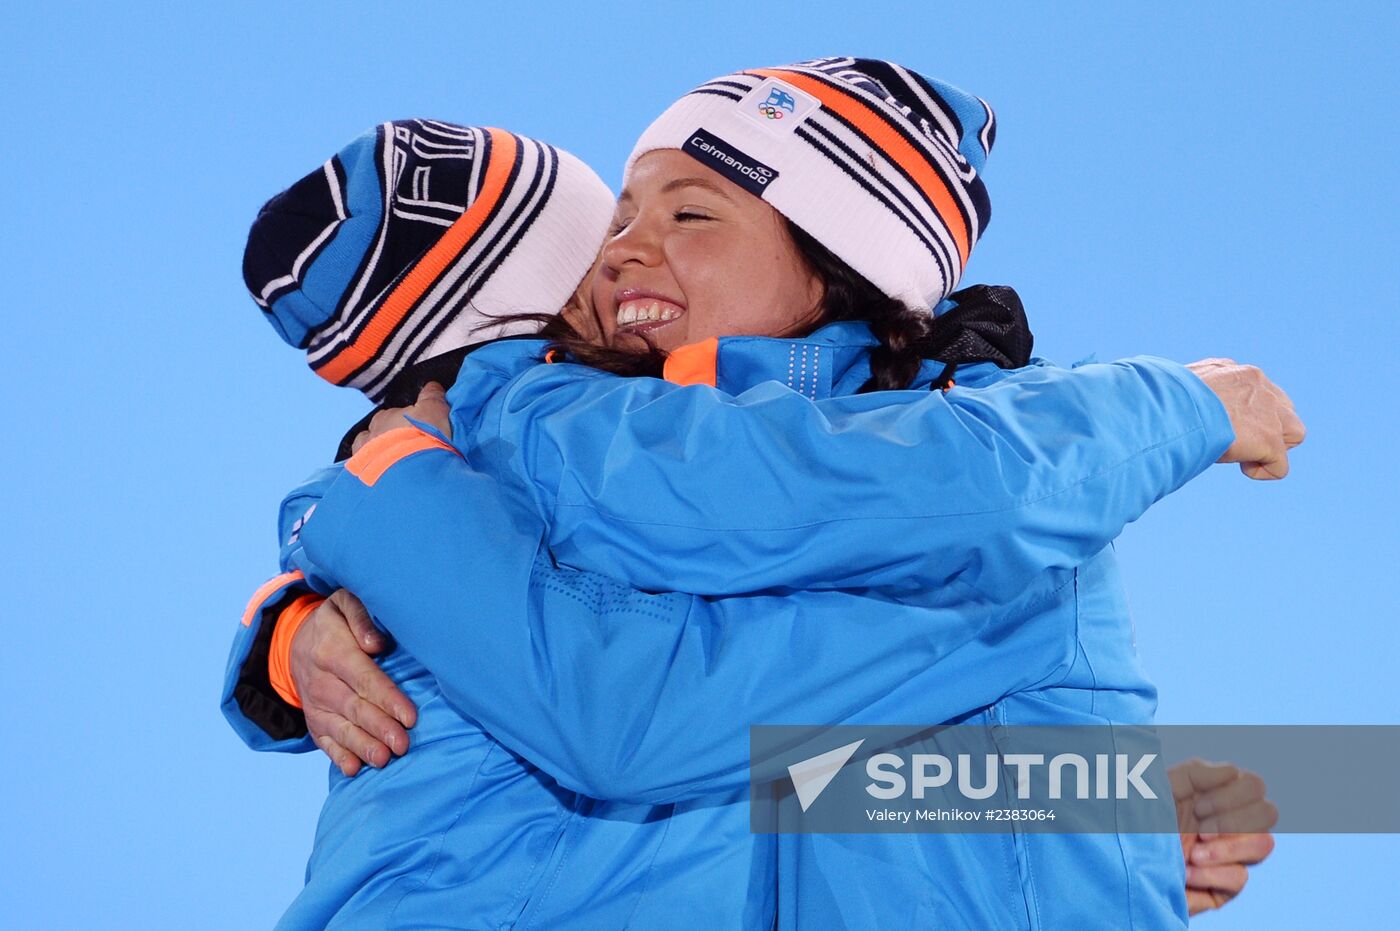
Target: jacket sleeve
x,y
251,705
648,698
689,489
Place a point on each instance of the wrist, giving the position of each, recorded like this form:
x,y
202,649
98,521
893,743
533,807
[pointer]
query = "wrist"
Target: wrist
x,y
1217,426
279,658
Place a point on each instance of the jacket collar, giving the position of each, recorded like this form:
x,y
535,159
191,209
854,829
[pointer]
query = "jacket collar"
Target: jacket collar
x,y
817,366
980,326
982,329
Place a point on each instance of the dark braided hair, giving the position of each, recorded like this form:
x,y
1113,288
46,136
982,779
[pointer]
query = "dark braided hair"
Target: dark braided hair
x,y
903,333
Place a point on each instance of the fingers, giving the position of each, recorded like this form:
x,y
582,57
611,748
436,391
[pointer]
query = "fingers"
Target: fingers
x,y
1223,798
1268,470
1289,433
330,713
345,761
1260,816
1221,883
1230,795
1196,776
361,624
1273,465
1265,423
371,733
1294,433
1248,849
345,695
385,420
432,407
1204,900
379,706
1198,901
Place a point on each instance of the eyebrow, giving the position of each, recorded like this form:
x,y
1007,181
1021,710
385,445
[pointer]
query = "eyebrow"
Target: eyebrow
x,y
678,183
675,184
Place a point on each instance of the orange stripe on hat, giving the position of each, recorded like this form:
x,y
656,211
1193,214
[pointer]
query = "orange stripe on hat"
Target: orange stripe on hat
x,y
381,453
265,591
877,128
430,267
694,364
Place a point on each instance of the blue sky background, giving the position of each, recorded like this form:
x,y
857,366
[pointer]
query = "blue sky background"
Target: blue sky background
x,y
1186,180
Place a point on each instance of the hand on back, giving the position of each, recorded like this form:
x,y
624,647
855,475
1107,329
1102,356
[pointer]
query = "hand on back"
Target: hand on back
x,y
430,408
353,710
1225,818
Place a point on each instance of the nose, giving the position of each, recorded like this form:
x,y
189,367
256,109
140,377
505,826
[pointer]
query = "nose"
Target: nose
x,y
639,243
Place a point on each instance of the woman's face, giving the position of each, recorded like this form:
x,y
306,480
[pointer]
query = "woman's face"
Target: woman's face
x,y
692,255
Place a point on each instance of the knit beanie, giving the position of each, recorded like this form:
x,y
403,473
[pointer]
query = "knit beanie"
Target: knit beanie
x,y
414,238
879,164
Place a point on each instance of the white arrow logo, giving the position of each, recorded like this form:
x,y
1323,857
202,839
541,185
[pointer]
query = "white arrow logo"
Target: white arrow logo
x,y
811,776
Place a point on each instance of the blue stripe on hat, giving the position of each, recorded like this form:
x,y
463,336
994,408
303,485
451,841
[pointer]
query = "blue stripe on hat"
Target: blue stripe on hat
x,y
323,283
972,113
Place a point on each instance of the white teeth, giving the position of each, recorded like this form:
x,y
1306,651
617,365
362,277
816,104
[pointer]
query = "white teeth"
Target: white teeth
x,y
639,312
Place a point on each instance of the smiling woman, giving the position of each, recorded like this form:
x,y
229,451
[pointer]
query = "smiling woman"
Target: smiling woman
x,y
692,255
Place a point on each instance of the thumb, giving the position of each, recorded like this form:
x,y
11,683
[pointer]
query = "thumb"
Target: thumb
x,y
1270,468
432,391
1264,471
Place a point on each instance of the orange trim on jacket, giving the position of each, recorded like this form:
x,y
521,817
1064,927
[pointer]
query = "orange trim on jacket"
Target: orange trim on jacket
x,y
279,656
381,453
694,364
265,591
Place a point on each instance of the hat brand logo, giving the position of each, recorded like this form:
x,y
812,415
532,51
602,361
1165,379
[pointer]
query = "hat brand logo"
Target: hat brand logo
x,y
743,169
778,106
778,101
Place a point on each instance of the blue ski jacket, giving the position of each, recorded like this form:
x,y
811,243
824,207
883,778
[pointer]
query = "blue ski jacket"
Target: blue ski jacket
x,y
581,756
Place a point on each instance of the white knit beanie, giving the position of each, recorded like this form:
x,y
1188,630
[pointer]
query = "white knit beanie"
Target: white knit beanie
x,y
414,238
879,164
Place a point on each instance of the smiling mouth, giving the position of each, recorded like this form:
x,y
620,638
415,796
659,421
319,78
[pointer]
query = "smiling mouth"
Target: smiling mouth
x,y
647,313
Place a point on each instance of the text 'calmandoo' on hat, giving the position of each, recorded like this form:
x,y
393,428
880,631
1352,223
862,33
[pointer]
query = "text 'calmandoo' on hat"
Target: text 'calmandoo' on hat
x,y
415,238
879,164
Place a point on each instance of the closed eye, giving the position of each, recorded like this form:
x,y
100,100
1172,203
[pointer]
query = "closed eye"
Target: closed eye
x,y
687,216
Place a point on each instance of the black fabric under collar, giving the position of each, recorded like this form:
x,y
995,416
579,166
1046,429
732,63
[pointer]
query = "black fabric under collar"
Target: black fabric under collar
x,y
987,325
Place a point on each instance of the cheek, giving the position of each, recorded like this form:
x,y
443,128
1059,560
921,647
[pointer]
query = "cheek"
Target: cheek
x,y
600,294
777,296
736,286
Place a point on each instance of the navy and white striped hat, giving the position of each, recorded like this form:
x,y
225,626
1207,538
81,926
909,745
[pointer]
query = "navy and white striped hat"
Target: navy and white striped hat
x,y
879,164
412,239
